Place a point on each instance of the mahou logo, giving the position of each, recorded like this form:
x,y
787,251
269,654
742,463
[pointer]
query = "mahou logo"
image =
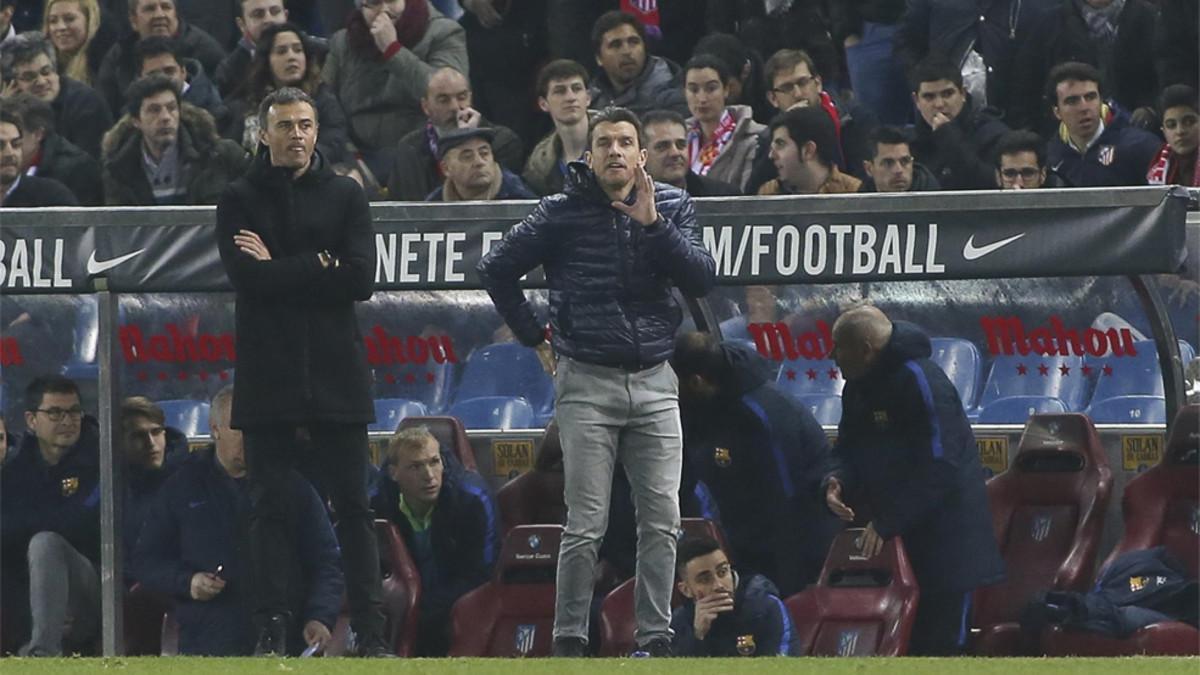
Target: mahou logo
x,y
775,341
385,349
1008,335
175,346
10,352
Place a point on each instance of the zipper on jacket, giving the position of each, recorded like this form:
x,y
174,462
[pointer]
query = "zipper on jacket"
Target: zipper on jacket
x,y
627,263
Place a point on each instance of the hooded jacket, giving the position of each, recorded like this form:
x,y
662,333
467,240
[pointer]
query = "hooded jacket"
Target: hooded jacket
x,y
905,450
759,625
736,160
119,68
658,87
960,153
610,277
1122,155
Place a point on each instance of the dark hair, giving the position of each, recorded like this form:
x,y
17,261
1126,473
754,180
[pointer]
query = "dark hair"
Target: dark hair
x,y
140,406
612,115
153,46
10,116
700,354
47,384
284,96
145,87
810,124
23,48
701,61
1071,70
261,82
559,69
134,5
1178,95
693,547
611,20
786,60
663,116
1021,141
887,135
730,50
35,114
933,68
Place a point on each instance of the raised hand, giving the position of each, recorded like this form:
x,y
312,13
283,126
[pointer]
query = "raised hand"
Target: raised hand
x,y
643,210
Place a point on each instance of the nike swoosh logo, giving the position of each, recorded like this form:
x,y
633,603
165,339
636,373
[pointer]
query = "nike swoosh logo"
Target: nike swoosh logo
x,y
973,252
96,267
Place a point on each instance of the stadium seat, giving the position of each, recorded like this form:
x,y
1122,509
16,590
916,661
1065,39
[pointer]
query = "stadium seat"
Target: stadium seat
x,y
494,412
802,377
507,369
190,417
81,365
827,408
534,497
401,589
430,383
1127,374
961,362
1018,409
513,614
450,434
859,606
1129,410
1186,352
389,412
1048,516
1161,507
1059,377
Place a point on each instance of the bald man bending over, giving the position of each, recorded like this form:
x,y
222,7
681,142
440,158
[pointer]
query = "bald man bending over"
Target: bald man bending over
x,y
906,464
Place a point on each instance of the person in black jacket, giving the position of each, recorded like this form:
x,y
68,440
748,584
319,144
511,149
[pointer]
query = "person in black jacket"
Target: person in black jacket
x,y
153,452
50,521
157,55
892,168
448,521
253,17
612,246
18,190
47,154
905,454
297,243
761,453
191,550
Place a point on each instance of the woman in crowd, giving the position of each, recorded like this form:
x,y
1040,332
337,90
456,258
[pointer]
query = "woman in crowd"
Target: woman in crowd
x,y
80,36
722,139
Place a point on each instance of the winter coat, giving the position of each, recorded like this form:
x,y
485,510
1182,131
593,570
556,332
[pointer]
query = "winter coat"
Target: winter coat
x,y
836,184
35,192
960,154
213,161
759,625
142,486
511,187
68,164
300,355
1120,156
203,94
734,163
660,86
610,278
415,172
119,68
905,450
81,115
922,181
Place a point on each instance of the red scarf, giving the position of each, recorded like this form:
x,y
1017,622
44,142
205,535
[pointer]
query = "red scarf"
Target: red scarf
x,y
830,109
702,155
410,28
1167,169
646,12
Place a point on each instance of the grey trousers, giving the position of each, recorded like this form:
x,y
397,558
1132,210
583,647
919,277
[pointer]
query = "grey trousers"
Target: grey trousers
x,y
607,415
63,584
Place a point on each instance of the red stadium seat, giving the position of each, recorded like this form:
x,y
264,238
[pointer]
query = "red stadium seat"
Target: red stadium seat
x,y
1161,507
450,434
401,589
513,614
533,497
1048,516
144,611
859,606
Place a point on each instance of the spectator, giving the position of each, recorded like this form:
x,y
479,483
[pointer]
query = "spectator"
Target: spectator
x,y
472,173
722,140
760,453
598,364
770,26
81,36
1021,163
28,65
746,68
157,55
1177,43
1112,35
447,106
18,190
7,30
448,521
866,30
47,155
954,140
1178,163
506,43
152,453
379,66
1094,145
667,156
724,615
892,168
563,94
164,152
191,550
50,523
906,452
148,18
629,77
286,57
297,243
804,151
253,17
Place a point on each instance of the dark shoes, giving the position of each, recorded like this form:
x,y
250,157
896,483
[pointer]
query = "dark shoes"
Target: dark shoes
x,y
658,647
374,647
272,636
570,647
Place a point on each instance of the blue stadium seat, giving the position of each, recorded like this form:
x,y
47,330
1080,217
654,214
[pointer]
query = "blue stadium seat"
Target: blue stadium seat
x,y
1018,409
190,417
1186,351
1058,377
494,412
1126,375
1129,410
389,412
961,362
827,408
85,341
507,369
429,383
810,376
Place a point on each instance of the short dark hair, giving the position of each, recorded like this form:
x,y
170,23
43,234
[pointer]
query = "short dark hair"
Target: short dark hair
x,y
810,124
887,135
700,354
284,96
611,20
35,114
662,116
10,116
153,46
140,406
47,384
145,87
785,61
701,61
693,547
1071,70
933,68
730,50
23,48
1021,141
612,115
559,69
1178,95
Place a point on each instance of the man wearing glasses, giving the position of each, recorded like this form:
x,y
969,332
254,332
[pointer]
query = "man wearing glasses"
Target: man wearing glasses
x,y
49,523
1021,163
892,168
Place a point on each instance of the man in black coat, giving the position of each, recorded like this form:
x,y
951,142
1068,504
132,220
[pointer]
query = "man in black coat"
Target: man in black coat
x,y
18,190
297,243
892,167
905,454
48,155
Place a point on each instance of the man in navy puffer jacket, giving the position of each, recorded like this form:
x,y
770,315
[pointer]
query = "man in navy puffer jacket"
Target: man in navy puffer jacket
x,y
612,246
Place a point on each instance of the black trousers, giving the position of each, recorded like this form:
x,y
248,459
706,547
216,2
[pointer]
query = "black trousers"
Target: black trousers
x,y
334,460
943,619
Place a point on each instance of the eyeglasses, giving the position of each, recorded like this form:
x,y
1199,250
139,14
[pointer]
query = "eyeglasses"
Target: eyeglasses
x,y
796,84
57,414
1026,173
31,75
